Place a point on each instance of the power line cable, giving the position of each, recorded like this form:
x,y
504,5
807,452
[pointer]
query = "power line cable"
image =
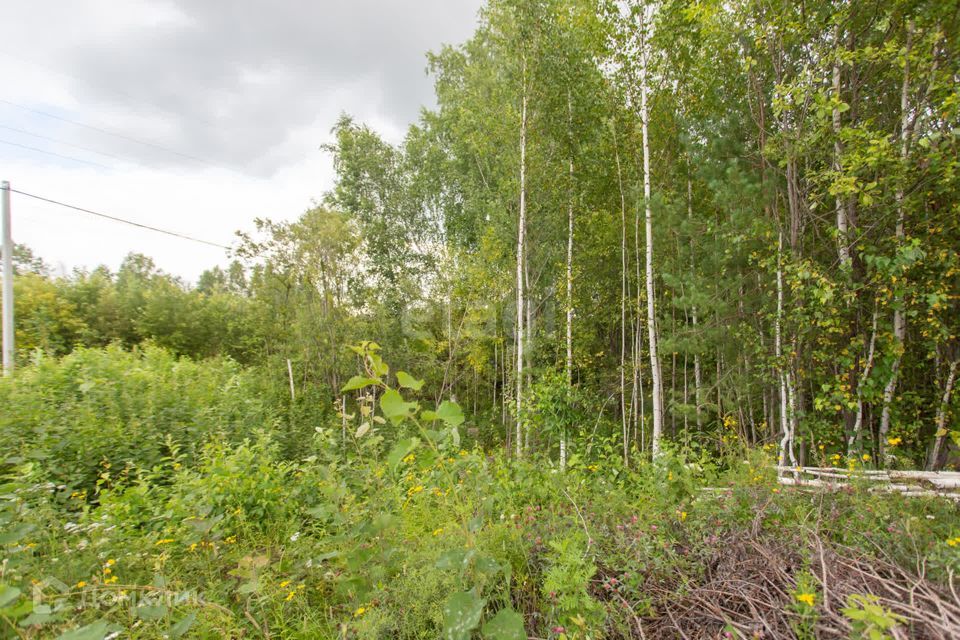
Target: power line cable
x,y
122,220
112,133
58,155
69,144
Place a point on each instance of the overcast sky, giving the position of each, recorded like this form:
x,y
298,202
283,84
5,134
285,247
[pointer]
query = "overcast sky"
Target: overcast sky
x,y
196,115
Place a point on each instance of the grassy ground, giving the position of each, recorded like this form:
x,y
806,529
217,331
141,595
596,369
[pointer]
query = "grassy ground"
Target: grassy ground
x,y
246,545
225,529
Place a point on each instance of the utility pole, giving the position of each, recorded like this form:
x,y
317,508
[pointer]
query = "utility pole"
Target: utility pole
x,y
7,283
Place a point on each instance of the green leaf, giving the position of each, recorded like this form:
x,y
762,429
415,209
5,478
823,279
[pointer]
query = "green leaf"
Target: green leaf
x,y
95,631
452,559
487,566
400,451
362,430
461,615
378,366
359,382
182,626
407,381
16,533
450,413
41,614
394,407
151,612
8,594
249,587
506,625
320,512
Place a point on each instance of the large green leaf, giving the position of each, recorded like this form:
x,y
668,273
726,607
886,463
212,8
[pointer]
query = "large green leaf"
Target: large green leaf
x,y
452,559
151,612
394,407
506,625
8,594
359,382
16,533
181,627
450,413
407,381
95,631
400,451
461,615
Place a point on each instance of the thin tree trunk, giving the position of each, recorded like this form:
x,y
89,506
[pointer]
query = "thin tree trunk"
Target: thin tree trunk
x,y
941,421
496,372
528,351
655,373
842,239
673,375
786,429
899,319
854,442
521,233
563,434
697,376
623,301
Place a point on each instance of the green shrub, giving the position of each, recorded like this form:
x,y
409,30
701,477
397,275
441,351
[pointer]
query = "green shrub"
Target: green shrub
x,y
97,415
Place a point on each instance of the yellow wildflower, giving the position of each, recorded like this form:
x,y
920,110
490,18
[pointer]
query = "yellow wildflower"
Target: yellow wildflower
x,y
107,571
409,458
865,457
807,598
415,490
111,562
954,542
110,580
437,532
359,612
894,441
163,541
81,584
290,596
284,583
683,516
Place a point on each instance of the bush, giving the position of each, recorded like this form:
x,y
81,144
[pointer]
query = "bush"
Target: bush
x,y
98,415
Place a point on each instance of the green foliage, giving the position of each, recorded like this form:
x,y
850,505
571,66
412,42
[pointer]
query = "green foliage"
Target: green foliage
x,y
102,416
566,585
870,620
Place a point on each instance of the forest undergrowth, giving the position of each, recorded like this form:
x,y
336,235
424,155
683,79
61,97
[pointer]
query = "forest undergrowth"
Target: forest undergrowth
x,y
149,496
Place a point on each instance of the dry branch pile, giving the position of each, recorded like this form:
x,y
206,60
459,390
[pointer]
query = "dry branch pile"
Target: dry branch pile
x,y
750,586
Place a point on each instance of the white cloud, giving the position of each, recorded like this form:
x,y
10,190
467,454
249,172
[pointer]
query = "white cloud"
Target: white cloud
x,y
252,88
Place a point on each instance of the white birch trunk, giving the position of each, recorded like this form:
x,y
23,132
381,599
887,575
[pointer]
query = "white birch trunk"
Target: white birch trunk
x,y
655,373
563,434
623,301
941,421
521,237
858,422
844,247
899,319
786,426
697,374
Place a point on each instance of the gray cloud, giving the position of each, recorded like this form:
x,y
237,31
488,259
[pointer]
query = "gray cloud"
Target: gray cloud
x,y
244,83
